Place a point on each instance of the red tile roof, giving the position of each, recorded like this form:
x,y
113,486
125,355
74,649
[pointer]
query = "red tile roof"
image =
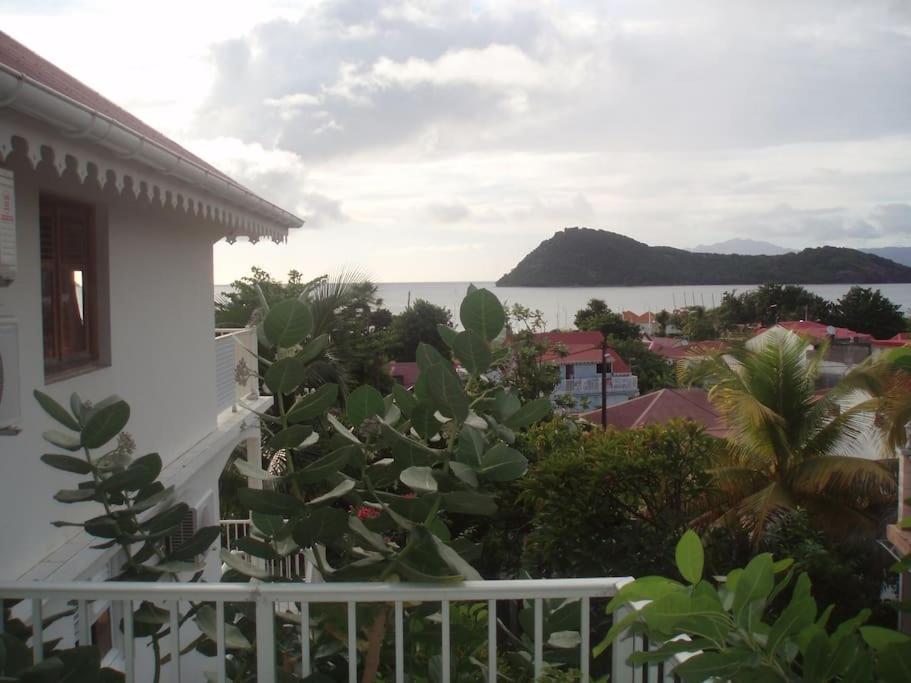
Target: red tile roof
x,y
580,347
639,318
407,370
662,406
17,57
675,348
808,328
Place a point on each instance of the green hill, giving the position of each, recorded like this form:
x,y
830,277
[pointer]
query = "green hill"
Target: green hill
x,y
579,257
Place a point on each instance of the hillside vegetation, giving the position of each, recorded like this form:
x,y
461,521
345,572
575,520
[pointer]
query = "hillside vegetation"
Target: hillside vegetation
x,y
587,257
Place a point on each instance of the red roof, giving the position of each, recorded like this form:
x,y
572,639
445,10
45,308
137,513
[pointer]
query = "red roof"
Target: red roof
x,y
905,336
808,328
892,343
580,347
17,57
408,371
639,318
675,348
662,406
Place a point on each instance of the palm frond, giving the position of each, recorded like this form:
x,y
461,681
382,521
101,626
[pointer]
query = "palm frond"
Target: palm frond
x,y
857,481
757,510
841,519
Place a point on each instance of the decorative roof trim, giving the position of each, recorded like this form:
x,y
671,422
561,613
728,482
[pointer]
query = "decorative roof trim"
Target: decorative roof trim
x,y
170,176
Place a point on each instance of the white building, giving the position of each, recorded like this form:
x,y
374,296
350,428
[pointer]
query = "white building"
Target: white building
x,y
106,270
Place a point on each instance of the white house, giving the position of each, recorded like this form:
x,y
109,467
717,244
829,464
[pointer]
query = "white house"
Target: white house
x,y
106,288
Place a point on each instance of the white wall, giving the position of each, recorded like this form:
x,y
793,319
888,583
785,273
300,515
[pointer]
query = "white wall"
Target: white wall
x,y
161,350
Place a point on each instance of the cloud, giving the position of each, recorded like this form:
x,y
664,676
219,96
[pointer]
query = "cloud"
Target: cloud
x,y
451,212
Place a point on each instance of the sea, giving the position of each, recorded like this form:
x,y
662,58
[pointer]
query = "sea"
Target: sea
x,y
559,304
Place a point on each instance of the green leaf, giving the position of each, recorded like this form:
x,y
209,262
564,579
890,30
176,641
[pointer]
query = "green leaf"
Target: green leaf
x,y
166,519
239,564
419,479
502,463
285,375
506,404
313,349
690,557
255,547
268,525
205,619
374,539
327,465
343,488
529,414
341,429
464,472
471,446
176,567
67,463
319,525
427,356
404,399
364,402
74,495
880,638
482,312
56,411
141,472
268,502
447,334
106,423
798,615
102,527
69,442
288,322
290,437
644,588
424,421
447,392
754,584
314,404
455,561
470,348
252,471
408,451
469,503
714,665
564,640
893,662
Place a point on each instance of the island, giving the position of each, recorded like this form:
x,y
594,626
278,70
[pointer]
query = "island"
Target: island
x,y
585,257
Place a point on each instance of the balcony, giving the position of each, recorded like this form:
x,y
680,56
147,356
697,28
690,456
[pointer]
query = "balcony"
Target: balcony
x,y
616,384
234,348
265,599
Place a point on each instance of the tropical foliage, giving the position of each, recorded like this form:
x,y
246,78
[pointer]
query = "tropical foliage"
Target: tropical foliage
x,y
864,309
729,632
523,369
598,317
788,442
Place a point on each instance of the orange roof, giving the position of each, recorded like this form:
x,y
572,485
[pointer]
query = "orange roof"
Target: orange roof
x,y
639,318
662,406
580,347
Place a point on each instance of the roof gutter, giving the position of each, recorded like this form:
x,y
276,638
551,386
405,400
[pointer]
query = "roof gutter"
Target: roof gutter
x,y
75,120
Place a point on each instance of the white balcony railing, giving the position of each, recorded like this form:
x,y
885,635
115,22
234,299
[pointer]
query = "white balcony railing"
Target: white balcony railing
x,y
592,385
294,567
233,347
47,598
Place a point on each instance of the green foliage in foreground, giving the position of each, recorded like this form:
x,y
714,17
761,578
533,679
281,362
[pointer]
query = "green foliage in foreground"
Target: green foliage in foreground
x,y
731,636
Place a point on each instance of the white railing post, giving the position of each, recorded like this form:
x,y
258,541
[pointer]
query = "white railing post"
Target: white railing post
x,y
622,647
491,641
352,642
175,641
585,631
220,653
265,639
399,642
37,631
445,659
129,650
539,638
305,638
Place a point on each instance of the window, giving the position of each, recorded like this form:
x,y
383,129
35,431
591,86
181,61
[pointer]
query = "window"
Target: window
x,y
68,286
570,371
600,368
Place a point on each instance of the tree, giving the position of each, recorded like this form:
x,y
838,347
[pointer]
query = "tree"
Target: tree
x,y
864,309
787,442
596,316
697,324
771,303
652,371
663,318
416,325
522,369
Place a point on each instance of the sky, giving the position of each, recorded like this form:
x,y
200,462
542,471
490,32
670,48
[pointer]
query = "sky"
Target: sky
x,y
441,140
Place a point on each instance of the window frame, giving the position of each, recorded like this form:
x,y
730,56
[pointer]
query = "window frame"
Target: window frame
x,y
58,367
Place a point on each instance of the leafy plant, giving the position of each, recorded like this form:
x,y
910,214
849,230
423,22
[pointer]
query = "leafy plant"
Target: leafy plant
x,y
374,492
729,637
140,514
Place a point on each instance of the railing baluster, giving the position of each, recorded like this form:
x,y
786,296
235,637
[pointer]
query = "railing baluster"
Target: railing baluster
x,y
352,642
129,651
447,667
85,631
37,631
585,632
622,647
305,638
539,638
220,647
399,642
175,641
265,639
491,641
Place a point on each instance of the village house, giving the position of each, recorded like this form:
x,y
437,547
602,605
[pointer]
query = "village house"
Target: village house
x,y
106,235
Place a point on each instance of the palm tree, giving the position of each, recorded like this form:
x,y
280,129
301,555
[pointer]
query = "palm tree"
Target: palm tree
x,y
788,441
889,380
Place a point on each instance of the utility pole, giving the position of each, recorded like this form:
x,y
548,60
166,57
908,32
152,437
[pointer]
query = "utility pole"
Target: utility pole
x,y
603,381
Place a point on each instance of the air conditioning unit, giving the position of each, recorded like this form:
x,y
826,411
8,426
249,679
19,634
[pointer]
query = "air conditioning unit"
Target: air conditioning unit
x,y
7,228
9,376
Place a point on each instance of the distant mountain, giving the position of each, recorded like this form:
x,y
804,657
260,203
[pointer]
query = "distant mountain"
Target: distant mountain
x,y
579,257
742,246
900,255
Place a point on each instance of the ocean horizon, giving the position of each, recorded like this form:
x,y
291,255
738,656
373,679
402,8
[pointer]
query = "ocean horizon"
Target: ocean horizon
x,y
559,304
